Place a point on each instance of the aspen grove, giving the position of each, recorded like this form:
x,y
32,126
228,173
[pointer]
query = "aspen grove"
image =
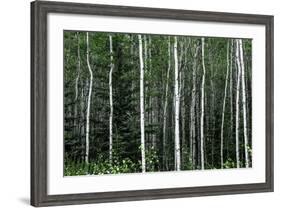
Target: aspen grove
x,y
136,103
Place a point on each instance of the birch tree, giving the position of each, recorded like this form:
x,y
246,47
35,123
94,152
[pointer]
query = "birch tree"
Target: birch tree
x,y
237,104
110,97
202,105
166,103
142,104
177,106
241,58
192,109
184,47
224,100
147,99
231,95
88,102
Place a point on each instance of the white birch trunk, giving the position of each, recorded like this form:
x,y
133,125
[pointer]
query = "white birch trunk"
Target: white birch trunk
x,y
89,103
177,105
231,94
202,107
142,105
224,100
192,110
182,102
241,58
237,105
166,103
110,98
82,105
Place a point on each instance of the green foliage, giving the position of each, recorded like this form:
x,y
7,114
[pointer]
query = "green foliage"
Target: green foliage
x,y
118,165
101,167
151,160
229,163
188,165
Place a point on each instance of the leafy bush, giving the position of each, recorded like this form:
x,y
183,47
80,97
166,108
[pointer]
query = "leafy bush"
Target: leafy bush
x,y
117,165
229,163
101,166
151,160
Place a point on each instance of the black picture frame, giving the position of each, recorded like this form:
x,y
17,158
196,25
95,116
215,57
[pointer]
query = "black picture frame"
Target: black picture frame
x,y
39,98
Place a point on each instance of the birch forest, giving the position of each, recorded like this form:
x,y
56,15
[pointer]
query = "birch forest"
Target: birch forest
x,y
136,103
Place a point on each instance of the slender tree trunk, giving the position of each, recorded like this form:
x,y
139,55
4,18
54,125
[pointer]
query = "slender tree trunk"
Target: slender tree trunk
x,y
166,104
180,91
183,118
89,103
198,129
212,113
82,119
224,100
142,104
146,96
231,98
192,111
76,123
184,154
177,104
202,107
241,58
237,105
183,106
110,98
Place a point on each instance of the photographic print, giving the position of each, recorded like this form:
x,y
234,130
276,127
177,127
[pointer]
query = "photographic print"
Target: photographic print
x,y
136,103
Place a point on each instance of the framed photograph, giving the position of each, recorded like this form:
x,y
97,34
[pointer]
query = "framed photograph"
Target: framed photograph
x,y
131,103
